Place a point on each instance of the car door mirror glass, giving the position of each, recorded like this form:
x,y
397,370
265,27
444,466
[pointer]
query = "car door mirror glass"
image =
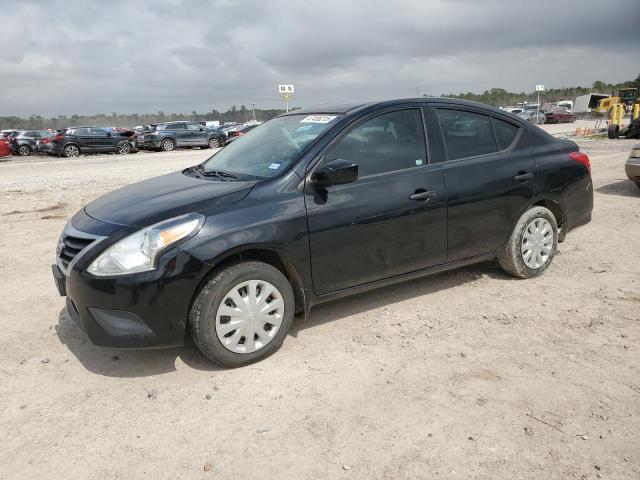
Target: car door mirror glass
x,y
335,172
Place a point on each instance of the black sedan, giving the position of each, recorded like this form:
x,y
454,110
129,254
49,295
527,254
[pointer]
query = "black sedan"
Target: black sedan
x,y
315,205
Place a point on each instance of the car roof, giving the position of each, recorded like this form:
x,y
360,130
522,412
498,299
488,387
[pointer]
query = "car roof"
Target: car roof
x,y
354,108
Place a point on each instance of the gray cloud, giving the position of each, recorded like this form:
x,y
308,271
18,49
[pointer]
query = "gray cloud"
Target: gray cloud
x,y
65,56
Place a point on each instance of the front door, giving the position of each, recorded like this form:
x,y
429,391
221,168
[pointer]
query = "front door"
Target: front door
x,y
392,220
489,172
197,135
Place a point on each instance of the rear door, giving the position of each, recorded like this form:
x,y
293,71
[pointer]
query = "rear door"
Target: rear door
x,y
488,169
392,220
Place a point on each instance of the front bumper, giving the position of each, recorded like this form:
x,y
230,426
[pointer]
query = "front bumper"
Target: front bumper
x,y
632,169
143,310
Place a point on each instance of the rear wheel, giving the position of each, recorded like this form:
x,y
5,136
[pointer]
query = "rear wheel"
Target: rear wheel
x,y
168,145
71,151
613,131
24,150
532,244
242,314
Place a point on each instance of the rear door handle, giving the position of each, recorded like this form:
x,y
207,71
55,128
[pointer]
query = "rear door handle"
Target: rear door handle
x,y
522,177
423,195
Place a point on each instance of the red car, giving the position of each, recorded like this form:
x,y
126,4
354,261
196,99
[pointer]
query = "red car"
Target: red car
x,y
559,116
5,148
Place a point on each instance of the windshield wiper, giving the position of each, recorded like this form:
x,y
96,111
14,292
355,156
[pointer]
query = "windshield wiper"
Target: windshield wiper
x,y
226,176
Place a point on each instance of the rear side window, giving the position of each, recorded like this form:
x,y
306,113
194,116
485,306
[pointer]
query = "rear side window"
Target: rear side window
x,y
466,134
178,126
505,133
388,142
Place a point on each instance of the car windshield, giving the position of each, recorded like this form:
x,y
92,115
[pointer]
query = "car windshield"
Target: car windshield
x,y
270,148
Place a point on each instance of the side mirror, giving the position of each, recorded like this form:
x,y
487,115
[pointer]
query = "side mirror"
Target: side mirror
x,y
335,172
202,129
109,134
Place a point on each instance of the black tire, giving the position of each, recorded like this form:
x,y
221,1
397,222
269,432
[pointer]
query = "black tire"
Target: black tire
x,y
510,258
24,150
124,148
613,131
202,316
214,142
167,145
638,184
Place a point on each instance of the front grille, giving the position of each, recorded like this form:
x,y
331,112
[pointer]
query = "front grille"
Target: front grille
x,y
70,246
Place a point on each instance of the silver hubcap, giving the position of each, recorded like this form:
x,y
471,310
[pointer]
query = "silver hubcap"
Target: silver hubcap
x,y
124,149
168,145
71,151
213,143
537,243
23,150
249,316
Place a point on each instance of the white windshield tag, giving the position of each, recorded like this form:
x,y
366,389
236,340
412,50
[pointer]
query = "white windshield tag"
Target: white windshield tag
x,y
318,119
275,166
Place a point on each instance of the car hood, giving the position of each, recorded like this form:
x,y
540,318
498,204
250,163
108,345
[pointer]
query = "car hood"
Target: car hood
x,y
151,201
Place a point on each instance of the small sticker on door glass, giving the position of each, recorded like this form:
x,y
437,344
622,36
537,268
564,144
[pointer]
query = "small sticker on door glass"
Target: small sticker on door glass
x,y
318,119
275,166
419,161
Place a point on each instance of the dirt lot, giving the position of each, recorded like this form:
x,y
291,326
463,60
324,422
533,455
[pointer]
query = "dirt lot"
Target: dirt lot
x,y
467,374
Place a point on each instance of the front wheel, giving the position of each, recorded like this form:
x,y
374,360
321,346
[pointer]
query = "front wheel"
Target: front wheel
x,y
214,142
532,244
242,314
124,148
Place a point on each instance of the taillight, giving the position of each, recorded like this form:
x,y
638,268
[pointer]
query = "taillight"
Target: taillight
x,y
581,158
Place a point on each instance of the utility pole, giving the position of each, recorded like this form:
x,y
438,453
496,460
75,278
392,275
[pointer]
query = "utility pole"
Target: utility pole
x,y
253,107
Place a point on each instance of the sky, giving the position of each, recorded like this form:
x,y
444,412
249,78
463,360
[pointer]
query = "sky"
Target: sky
x,y
125,56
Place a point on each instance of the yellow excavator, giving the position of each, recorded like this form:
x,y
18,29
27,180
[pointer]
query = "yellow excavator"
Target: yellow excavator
x,y
627,102
626,97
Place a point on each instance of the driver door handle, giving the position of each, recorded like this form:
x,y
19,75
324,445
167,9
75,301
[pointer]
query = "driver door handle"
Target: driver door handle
x,y
423,195
521,177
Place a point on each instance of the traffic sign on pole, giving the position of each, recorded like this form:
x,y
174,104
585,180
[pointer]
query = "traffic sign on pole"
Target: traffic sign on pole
x,y
287,93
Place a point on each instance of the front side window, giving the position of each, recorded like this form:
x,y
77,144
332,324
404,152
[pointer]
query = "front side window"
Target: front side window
x,y
193,126
178,126
272,147
466,134
388,142
81,131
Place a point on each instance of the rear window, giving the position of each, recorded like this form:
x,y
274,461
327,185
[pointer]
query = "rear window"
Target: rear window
x,y
505,133
466,134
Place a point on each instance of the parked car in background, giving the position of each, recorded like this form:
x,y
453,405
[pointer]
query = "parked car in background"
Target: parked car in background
x,y
5,148
533,116
9,133
560,115
171,135
236,132
311,206
74,141
632,167
26,142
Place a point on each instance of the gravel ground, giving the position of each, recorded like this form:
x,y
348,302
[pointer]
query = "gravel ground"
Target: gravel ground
x,y
465,374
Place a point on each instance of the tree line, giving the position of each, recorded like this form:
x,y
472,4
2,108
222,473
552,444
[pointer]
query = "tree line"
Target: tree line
x,y
234,114
498,97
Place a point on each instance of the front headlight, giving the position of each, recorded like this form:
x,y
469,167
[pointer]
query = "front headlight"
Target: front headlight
x,y
635,153
137,252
